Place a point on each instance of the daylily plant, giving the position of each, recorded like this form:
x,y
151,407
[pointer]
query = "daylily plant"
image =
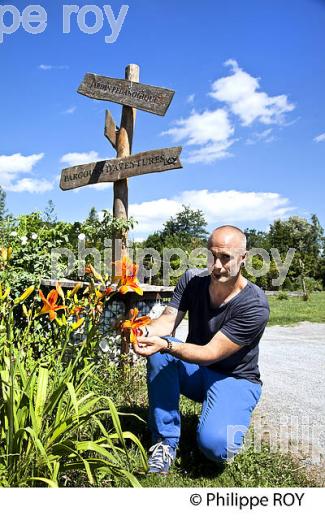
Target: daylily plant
x,y
49,302
133,325
94,297
127,276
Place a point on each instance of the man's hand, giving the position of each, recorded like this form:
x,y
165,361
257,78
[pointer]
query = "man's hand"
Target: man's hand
x,y
148,346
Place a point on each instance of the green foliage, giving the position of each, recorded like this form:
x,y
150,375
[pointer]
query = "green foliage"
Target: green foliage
x,y
93,216
282,295
185,231
305,237
54,428
34,237
2,203
308,241
49,213
312,284
31,240
187,222
257,238
257,265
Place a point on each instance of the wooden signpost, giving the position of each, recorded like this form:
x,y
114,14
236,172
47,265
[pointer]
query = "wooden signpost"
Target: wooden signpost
x,y
125,92
131,95
114,170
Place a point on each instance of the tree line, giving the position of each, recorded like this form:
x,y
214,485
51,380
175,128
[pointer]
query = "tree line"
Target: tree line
x,y
33,236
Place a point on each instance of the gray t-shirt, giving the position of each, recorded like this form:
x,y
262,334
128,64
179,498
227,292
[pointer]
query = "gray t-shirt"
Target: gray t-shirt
x,y
243,320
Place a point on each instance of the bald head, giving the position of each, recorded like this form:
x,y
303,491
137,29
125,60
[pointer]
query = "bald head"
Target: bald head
x,y
228,236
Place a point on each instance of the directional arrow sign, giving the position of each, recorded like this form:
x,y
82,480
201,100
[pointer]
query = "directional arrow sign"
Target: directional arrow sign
x,y
116,169
129,93
110,129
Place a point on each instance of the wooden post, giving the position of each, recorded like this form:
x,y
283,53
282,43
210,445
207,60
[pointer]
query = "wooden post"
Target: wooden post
x,y
132,95
121,198
124,149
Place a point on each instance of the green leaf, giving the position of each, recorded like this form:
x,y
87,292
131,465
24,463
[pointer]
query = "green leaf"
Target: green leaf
x,y
50,483
42,383
73,398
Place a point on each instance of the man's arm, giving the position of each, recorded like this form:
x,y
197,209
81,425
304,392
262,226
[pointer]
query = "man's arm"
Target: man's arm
x,y
166,323
237,333
220,347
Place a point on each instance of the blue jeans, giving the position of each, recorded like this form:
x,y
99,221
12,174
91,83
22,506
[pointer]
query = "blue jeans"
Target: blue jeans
x,y
228,403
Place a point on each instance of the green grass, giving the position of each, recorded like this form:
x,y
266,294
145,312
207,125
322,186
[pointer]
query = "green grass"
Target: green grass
x,y
248,469
294,309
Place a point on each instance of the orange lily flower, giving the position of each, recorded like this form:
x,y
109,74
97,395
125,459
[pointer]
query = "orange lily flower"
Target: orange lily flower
x,y
133,325
50,306
128,277
77,310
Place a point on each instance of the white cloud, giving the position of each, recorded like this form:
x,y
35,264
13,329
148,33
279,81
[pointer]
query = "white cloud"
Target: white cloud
x,y
11,166
202,128
76,158
70,110
266,137
237,206
210,131
319,138
232,207
31,185
18,163
240,91
53,67
210,153
151,215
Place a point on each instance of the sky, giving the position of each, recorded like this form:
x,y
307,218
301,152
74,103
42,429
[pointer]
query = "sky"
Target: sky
x,y
248,110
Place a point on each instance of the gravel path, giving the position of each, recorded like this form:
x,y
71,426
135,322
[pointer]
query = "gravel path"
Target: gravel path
x,y
292,407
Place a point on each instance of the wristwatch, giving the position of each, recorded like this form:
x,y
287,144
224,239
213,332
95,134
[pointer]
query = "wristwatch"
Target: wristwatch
x,y
169,347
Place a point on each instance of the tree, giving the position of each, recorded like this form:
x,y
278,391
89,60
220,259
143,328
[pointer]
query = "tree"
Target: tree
x,y
308,241
93,216
3,211
187,222
185,231
257,238
49,213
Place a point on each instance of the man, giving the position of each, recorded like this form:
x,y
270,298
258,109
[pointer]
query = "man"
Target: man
x,y
218,364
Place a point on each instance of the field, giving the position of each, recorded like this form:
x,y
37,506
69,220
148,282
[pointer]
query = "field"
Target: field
x,y
294,309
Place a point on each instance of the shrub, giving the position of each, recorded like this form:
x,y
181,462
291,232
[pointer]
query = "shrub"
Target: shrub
x,y
282,295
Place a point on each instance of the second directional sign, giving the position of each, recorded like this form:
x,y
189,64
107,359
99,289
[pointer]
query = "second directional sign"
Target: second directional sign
x,y
137,95
116,169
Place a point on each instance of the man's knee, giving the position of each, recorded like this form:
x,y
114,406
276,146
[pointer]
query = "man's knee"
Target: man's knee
x,y
218,445
157,361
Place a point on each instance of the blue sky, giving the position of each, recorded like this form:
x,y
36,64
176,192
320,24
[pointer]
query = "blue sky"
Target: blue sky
x,y
249,109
